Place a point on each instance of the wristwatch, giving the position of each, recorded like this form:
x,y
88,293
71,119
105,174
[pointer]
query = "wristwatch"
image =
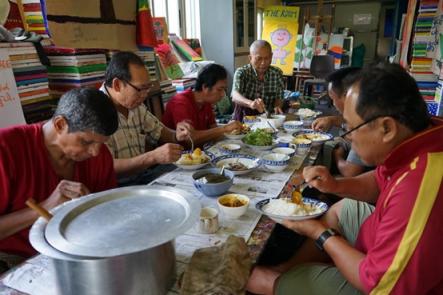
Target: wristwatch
x,y
324,236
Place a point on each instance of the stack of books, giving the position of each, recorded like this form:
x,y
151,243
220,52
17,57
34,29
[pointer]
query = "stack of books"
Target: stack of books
x,y
71,68
34,17
32,81
167,90
183,84
148,57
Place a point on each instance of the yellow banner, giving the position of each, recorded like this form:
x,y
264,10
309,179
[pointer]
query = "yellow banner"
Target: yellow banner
x,y
280,29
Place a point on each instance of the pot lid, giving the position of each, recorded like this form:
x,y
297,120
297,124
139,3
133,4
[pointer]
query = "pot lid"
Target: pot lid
x,y
122,221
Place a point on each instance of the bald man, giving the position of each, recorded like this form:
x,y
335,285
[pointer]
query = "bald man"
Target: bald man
x,y
258,86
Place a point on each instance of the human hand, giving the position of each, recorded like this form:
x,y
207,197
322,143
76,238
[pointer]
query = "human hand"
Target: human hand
x,y
231,126
311,228
320,178
65,191
183,130
278,110
167,153
322,124
258,104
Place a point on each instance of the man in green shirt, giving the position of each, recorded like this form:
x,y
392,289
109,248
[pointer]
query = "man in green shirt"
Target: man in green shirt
x,y
258,86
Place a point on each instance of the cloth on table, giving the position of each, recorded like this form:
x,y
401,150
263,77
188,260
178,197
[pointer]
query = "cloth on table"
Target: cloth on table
x,y
218,270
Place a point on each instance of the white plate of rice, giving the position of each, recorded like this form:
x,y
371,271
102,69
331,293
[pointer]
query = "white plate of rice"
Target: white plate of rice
x,y
281,209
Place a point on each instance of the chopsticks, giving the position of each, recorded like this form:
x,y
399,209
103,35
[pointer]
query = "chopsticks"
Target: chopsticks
x,y
31,203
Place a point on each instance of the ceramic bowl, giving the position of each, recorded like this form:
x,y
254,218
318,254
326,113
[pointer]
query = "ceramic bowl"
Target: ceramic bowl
x,y
275,162
280,119
213,189
284,150
292,126
302,145
233,205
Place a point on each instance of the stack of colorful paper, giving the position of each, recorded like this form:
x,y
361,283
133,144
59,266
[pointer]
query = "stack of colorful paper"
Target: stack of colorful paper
x,y
34,17
30,75
71,68
32,81
421,65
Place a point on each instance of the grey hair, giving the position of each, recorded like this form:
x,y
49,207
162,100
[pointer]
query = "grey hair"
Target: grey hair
x,y
257,44
87,109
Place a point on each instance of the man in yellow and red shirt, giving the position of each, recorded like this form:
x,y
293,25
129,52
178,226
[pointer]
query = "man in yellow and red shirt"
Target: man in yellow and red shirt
x,y
393,249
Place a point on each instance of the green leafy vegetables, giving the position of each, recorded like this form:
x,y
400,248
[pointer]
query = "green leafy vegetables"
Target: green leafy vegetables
x,y
258,137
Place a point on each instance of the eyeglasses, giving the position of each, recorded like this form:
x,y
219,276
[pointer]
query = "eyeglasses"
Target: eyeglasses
x,y
144,89
359,126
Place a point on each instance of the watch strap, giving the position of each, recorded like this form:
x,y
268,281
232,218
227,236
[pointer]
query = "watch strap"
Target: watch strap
x,y
324,236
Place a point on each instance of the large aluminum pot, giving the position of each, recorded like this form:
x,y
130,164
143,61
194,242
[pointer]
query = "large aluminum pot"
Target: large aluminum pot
x,y
127,268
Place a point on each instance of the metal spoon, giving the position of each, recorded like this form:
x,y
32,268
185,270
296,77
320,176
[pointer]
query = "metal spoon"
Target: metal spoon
x,y
192,143
272,127
222,170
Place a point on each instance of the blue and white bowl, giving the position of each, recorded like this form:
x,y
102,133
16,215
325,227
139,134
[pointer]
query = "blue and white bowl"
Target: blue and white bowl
x,y
228,161
285,151
292,126
275,162
250,122
213,189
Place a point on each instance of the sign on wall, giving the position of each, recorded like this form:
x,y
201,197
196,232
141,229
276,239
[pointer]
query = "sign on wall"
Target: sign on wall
x,y
11,112
280,29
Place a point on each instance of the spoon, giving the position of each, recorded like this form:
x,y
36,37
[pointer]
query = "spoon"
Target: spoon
x,y
192,143
272,127
222,170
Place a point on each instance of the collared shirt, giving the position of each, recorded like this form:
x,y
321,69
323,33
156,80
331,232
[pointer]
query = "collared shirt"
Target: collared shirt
x,y
402,238
183,107
136,134
246,83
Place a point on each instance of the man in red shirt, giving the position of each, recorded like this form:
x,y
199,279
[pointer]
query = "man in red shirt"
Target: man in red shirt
x,y
196,106
53,162
394,249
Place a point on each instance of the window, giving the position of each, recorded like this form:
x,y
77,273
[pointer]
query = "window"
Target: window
x,y
182,16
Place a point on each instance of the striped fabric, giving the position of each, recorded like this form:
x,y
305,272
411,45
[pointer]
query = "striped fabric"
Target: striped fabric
x,y
135,134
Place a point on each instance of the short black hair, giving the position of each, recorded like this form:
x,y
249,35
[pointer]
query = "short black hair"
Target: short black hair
x,y
342,79
209,75
388,90
118,67
88,109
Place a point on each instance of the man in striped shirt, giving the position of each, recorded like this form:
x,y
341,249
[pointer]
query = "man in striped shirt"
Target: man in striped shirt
x,y
142,145
395,248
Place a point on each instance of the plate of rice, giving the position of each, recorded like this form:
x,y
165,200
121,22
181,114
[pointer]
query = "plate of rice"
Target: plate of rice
x,y
281,209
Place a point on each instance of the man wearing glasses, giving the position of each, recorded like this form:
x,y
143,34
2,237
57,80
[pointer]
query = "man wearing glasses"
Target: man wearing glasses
x,y
393,249
141,140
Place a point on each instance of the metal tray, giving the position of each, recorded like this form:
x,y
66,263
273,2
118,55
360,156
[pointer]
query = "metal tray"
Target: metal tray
x,y
122,221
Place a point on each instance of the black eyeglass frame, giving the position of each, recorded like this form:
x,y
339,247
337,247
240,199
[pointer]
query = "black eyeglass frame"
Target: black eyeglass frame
x,y
140,90
361,125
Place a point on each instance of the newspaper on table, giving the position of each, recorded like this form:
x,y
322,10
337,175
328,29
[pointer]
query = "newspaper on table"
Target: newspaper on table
x,y
36,275
257,185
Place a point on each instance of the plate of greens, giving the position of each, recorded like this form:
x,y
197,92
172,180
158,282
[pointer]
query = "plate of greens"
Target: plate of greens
x,y
259,139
